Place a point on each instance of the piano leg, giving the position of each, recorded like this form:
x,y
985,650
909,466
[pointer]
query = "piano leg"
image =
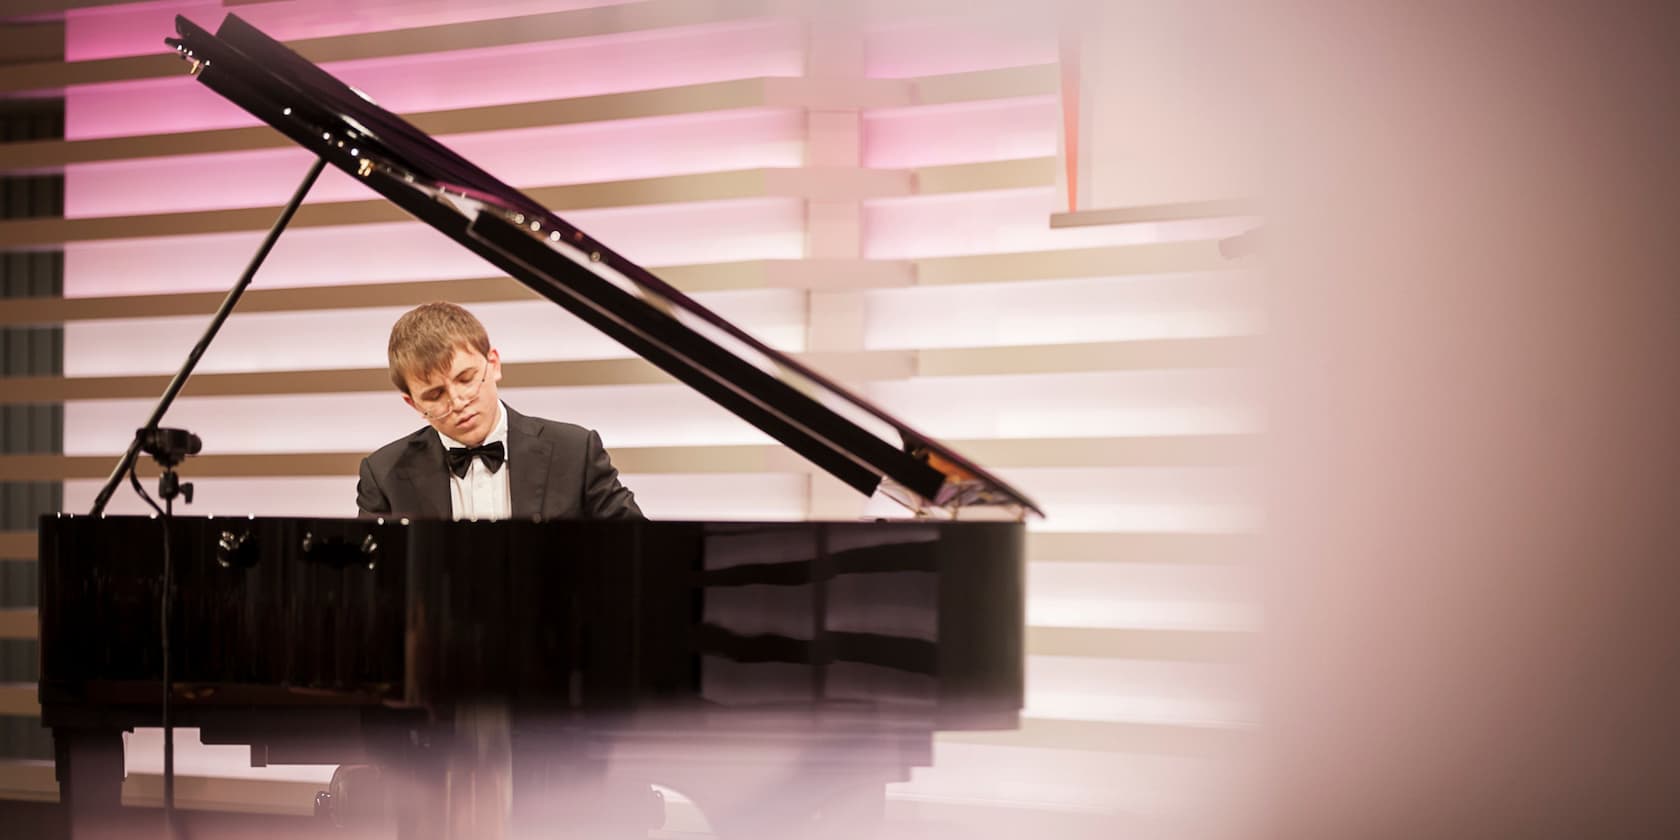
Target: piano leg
x,y
89,767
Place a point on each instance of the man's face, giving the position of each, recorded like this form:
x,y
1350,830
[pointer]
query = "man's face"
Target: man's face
x,y
462,402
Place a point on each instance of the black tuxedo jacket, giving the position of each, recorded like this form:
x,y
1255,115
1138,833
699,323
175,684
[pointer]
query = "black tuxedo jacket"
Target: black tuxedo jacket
x,y
558,471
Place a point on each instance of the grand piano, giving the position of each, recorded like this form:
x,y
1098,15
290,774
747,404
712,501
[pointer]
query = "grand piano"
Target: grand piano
x,y
533,678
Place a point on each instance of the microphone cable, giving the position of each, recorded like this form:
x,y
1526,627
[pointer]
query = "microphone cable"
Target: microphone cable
x,y
167,515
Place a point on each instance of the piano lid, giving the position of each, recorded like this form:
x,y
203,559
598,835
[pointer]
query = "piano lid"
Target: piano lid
x,y
842,433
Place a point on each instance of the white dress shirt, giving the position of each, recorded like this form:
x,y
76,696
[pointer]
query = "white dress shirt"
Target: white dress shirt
x,y
482,494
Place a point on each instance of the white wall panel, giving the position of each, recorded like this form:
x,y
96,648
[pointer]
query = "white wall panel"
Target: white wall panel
x,y
1141,499
1142,691
246,425
1110,782
135,29
1002,221
981,39
638,415
1159,596
1092,309
527,157
465,78
699,232
1188,402
524,331
968,132
304,496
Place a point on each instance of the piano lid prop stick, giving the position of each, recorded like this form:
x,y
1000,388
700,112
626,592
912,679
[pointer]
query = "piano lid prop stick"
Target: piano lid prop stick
x,y
203,344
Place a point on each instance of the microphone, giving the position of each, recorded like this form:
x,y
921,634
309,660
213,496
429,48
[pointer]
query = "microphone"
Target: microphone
x,y
168,446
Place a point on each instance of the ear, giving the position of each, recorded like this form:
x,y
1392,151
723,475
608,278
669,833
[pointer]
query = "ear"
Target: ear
x,y
494,360
410,400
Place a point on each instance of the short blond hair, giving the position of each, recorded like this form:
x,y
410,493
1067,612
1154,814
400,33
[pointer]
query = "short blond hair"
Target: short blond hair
x,y
425,338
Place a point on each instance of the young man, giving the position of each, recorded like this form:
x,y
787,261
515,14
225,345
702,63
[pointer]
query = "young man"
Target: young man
x,y
477,458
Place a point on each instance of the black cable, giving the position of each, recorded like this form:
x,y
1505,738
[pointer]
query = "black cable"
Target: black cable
x,y
168,683
134,479
168,689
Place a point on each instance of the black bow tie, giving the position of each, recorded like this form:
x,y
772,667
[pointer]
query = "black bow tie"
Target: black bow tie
x,y
460,457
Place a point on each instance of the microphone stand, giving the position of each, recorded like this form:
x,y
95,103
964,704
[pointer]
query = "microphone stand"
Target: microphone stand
x,y
168,447
169,486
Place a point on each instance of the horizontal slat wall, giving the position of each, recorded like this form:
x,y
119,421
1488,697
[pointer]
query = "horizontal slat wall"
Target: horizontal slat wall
x,y
1152,451
707,97
864,365
870,194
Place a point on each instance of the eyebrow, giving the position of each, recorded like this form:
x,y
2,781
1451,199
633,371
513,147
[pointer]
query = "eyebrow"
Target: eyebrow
x,y
437,390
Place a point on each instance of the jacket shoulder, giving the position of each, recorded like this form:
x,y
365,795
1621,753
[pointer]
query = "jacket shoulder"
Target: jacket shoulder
x,y
552,430
565,431
386,457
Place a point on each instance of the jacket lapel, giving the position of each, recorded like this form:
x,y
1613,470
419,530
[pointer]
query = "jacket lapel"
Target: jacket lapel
x,y
528,460
422,466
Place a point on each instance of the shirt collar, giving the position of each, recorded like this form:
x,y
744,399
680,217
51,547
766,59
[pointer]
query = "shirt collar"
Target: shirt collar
x,y
498,432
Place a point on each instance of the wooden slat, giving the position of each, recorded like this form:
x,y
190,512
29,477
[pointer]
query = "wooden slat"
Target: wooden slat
x,y
206,793
28,781
50,9
1162,354
1128,643
859,366
1114,736
361,380
991,175
707,277
18,623
1117,547
35,41
19,699
1171,258
82,467
1124,260
1177,257
768,458
18,545
1177,212
49,155
1139,451
836,184
57,310
527,29
1008,83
